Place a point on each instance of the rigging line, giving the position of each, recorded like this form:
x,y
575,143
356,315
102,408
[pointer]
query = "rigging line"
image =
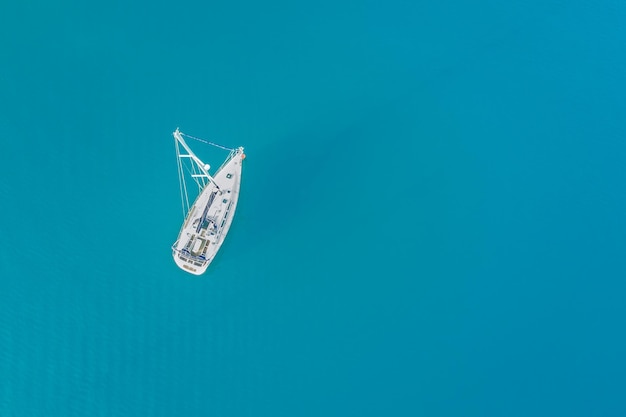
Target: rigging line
x,y
196,168
178,171
183,182
188,206
183,194
180,178
184,188
192,168
184,191
200,181
207,142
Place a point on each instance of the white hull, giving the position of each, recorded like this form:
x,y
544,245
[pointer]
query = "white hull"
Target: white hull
x,y
209,218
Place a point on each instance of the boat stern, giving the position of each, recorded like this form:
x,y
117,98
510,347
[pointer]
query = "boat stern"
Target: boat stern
x,y
188,262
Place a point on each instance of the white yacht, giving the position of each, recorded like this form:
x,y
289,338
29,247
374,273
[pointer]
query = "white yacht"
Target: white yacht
x,y
209,217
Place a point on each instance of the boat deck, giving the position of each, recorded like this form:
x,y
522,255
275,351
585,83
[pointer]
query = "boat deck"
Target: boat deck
x,y
209,218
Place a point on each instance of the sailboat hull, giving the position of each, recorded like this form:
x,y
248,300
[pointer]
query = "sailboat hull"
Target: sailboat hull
x,y
209,218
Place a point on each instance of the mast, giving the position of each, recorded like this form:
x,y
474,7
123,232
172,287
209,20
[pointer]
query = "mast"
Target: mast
x,y
204,168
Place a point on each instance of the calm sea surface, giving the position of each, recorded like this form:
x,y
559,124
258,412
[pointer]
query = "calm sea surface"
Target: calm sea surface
x,y
431,223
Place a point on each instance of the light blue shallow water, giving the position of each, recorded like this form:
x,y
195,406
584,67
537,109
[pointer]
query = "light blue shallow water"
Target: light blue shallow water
x,y
431,219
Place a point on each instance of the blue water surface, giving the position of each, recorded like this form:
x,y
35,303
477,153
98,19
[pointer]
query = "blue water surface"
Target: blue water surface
x,y
431,220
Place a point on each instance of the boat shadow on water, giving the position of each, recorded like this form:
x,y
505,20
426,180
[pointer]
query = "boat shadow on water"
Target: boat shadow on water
x,y
279,184
295,188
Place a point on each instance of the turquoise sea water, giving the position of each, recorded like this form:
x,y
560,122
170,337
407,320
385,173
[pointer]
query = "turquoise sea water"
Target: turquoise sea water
x,y
431,220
